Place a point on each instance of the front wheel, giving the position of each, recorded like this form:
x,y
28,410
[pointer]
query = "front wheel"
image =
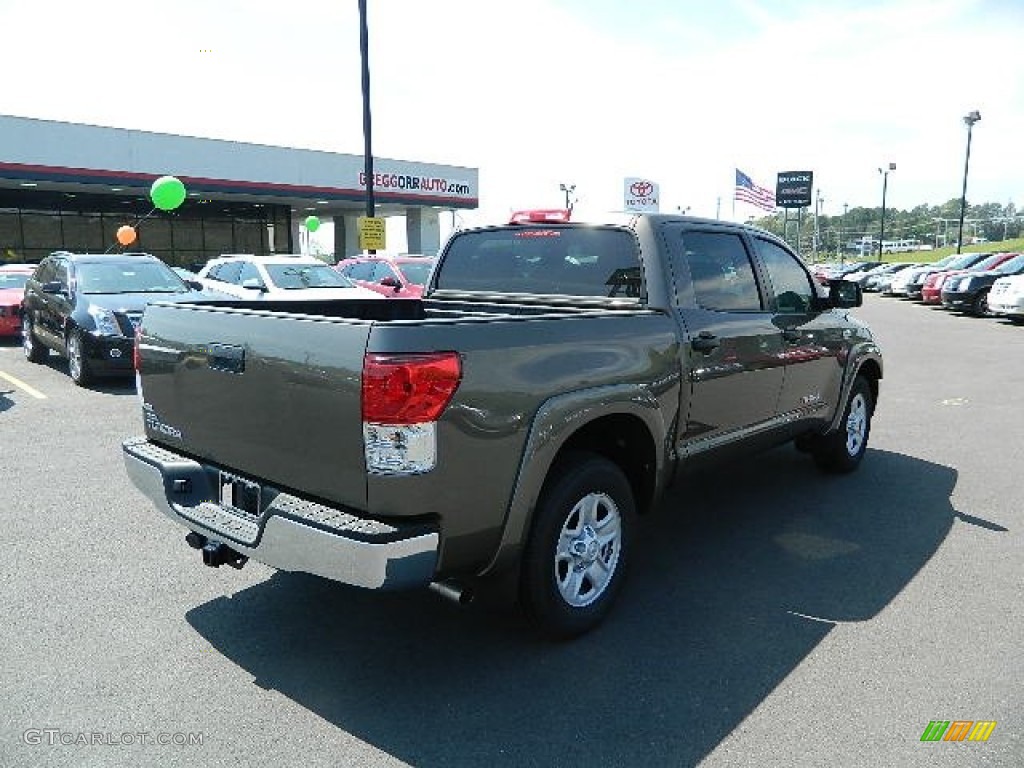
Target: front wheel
x,y
576,553
78,365
980,305
843,450
34,351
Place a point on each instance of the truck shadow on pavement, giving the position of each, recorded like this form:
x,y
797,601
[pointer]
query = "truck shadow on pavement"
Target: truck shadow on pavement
x,y
724,600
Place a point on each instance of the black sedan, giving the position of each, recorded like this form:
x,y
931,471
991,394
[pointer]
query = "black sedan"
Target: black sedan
x,y
85,307
969,292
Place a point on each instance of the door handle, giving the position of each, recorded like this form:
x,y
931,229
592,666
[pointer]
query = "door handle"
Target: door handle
x,y
705,342
791,335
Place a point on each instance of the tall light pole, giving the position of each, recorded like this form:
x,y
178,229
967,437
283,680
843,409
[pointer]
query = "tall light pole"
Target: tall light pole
x,y
842,226
568,189
364,55
817,230
885,186
969,120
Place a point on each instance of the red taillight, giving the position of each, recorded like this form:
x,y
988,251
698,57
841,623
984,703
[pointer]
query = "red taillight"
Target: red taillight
x,y
408,388
136,360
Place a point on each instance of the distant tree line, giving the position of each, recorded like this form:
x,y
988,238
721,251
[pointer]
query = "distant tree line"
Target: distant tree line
x,y
934,225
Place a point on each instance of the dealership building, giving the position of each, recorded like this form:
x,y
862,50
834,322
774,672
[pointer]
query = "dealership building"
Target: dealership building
x,y
66,186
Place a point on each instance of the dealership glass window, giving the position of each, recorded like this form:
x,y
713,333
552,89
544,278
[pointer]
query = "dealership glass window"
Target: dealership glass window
x,y
83,232
282,233
188,235
219,237
250,236
42,231
191,260
155,237
11,245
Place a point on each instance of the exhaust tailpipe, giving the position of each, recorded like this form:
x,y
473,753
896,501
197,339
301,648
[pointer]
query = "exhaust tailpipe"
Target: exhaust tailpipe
x,y
452,591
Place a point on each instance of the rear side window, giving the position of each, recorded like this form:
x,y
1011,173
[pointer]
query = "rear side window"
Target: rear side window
x,y
571,261
721,272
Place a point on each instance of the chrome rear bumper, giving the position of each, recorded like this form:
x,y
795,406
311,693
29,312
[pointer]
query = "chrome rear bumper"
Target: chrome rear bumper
x,y
290,534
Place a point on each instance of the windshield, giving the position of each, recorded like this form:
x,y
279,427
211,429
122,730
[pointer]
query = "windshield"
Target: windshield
x,y
13,280
291,277
1011,265
572,261
416,272
964,260
990,261
128,277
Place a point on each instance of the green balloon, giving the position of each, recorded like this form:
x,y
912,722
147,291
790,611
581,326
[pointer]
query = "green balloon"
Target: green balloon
x,y
312,223
167,193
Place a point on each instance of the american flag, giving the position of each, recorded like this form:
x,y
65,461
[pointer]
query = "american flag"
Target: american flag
x,y
749,192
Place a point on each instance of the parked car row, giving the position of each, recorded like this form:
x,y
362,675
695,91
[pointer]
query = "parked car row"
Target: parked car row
x,y
964,282
86,307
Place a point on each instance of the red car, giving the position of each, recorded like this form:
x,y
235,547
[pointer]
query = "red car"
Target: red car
x,y
12,290
396,277
931,292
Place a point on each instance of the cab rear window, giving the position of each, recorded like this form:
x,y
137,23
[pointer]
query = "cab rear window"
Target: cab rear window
x,y
571,261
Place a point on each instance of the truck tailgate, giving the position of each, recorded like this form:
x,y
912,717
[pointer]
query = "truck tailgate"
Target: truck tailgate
x,y
271,395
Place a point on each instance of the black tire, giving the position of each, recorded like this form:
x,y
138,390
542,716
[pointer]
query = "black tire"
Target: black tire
x,y
568,582
78,364
842,450
34,351
980,305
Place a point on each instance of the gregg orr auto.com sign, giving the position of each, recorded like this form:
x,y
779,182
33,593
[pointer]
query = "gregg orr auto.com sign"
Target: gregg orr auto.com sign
x,y
640,196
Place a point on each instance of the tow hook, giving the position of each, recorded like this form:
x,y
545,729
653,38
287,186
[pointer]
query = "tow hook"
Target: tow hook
x,y
215,553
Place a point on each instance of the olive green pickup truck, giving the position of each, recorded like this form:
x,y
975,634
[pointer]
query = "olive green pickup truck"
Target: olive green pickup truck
x,y
519,418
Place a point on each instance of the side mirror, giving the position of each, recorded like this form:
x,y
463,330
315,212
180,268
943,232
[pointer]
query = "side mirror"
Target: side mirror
x,y
194,285
391,282
54,286
844,294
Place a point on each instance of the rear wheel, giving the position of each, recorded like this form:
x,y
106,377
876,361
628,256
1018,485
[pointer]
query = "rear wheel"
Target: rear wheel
x,y
843,450
78,366
34,351
576,553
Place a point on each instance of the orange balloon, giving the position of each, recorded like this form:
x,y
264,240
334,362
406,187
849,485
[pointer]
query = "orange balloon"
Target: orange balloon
x,y
126,235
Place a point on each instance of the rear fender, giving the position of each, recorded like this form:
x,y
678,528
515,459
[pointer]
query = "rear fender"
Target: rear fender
x,y
557,420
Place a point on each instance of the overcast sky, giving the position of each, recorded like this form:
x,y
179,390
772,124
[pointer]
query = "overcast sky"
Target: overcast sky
x,y
536,93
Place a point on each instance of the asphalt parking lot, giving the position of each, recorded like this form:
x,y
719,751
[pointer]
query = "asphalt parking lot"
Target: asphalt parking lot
x,y
774,616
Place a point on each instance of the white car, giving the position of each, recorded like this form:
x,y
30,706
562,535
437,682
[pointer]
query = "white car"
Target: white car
x,y
288,278
1006,298
899,282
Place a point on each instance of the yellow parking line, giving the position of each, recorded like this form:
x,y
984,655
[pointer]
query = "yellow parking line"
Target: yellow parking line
x,y
22,385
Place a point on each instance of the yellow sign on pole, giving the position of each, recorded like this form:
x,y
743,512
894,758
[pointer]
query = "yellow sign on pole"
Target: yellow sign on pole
x,y
371,233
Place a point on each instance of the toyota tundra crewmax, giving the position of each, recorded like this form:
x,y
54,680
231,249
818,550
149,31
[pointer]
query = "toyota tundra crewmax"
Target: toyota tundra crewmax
x,y
519,419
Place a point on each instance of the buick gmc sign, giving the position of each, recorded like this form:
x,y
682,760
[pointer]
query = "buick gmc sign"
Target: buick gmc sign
x,y
793,189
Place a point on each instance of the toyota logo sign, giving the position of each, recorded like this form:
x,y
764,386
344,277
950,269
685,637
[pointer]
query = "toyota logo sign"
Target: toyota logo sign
x,y
641,188
640,196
